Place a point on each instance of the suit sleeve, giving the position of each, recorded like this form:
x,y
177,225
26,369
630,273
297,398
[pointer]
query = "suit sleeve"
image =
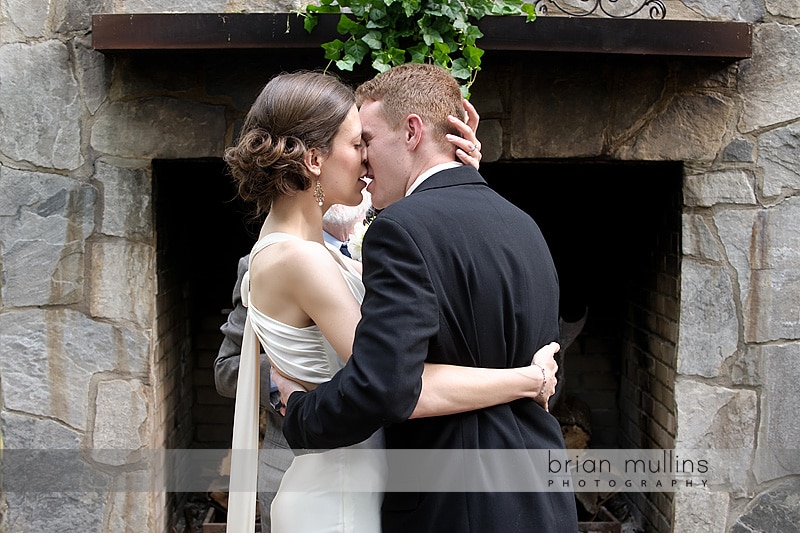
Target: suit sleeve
x,y
382,381
226,365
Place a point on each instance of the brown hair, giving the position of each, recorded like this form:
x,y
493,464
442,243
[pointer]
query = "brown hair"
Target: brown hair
x,y
294,112
421,88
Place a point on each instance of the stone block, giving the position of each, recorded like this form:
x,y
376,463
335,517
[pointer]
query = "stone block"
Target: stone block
x,y
123,281
27,18
115,438
784,8
711,417
50,356
709,327
564,116
714,417
768,81
72,511
170,6
721,187
76,15
44,221
127,208
779,159
159,127
698,238
763,246
775,509
777,455
93,71
491,138
741,10
700,511
691,127
55,485
739,151
132,510
49,133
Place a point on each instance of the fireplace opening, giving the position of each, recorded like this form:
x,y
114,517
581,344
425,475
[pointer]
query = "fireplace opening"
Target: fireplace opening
x,y
614,233
202,231
613,230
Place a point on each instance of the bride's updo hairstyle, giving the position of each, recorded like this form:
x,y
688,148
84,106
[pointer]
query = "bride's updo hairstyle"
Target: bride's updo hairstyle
x,y
294,112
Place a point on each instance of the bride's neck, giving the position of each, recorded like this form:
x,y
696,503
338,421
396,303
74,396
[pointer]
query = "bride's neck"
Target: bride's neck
x,y
295,215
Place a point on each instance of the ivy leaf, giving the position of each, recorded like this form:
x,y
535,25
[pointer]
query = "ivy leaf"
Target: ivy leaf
x,y
376,14
397,56
410,7
478,10
441,56
346,63
310,22
333,49
391,38
460,69
436,31
431,36
418,52
359,7
462,24
442,48
347,25
356,49
453,10
472,55
373,39
329,8
472,34
530,12
381,61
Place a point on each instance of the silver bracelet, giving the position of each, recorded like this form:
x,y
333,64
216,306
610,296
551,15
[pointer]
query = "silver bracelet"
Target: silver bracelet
x,y
544,378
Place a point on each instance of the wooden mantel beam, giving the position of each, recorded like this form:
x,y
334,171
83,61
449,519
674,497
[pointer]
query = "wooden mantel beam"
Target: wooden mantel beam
x,y
728,41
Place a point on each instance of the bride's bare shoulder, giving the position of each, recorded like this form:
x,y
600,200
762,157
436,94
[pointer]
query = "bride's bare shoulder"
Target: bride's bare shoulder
x,y
291,259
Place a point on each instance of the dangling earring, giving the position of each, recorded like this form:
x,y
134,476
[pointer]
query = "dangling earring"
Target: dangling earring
x,y
319,194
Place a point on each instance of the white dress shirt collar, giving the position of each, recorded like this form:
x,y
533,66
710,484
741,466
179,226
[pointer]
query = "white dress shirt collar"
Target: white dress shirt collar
x,y
430,172
330,239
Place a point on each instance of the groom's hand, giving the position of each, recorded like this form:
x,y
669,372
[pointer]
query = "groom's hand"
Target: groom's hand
x,y
286,387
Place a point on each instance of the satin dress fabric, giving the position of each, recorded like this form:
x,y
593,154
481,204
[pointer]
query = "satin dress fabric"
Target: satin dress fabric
x,y
336,491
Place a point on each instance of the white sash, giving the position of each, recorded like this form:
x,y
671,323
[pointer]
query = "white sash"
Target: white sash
x,y
244,454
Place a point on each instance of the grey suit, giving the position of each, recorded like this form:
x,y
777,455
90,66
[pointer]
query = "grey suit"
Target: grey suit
x,y
275,456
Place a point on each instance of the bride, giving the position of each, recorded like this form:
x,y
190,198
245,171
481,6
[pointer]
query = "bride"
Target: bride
x,y
300,151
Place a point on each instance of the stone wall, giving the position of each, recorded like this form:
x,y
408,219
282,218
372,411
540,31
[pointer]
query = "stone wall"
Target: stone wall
x,y
3,504
87,318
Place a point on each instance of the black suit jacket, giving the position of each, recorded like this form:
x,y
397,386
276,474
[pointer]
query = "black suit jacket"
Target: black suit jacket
x,y
454,273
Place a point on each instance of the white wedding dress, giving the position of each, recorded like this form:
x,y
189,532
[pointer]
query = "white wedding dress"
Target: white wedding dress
x,y
338,490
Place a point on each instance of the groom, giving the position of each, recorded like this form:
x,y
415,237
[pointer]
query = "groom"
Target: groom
x,y
454,274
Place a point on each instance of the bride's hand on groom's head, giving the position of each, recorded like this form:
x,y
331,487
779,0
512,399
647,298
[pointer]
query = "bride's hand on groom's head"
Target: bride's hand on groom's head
x,y
286,387
468,147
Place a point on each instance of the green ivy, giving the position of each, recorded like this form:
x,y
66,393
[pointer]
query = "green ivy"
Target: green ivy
x,y
393,32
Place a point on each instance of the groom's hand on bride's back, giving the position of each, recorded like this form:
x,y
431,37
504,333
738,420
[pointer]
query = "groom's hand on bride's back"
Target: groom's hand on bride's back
x,y
286,387
544,361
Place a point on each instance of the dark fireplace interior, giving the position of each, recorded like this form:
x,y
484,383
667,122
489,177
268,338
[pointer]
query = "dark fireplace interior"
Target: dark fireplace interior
x,y
614,233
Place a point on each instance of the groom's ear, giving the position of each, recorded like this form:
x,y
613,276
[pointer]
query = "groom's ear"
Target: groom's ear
x,y
414,127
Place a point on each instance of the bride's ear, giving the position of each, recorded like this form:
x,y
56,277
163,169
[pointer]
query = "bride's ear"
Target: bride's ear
x,y
313,161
